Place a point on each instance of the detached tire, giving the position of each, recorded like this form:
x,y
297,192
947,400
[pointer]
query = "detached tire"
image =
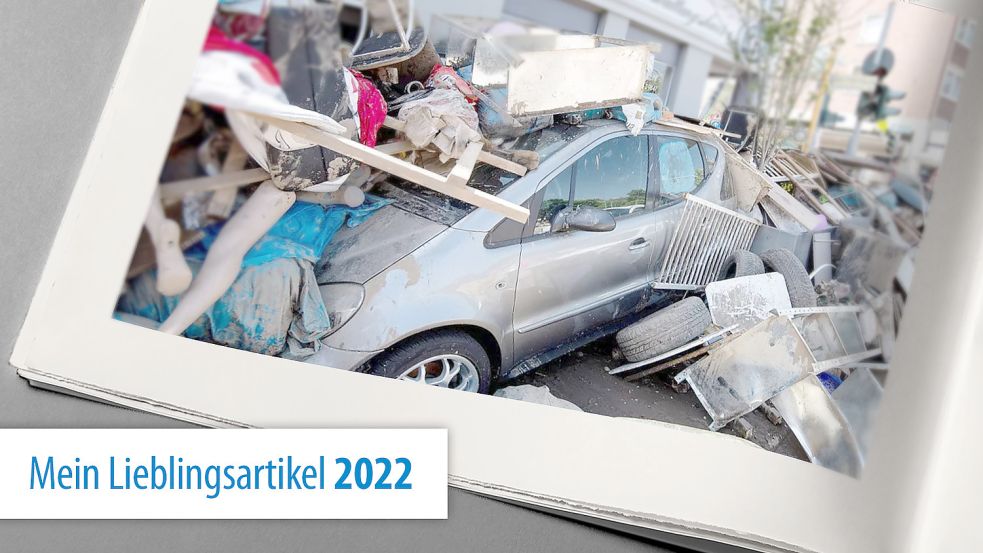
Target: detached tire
x,y
666,329
433,351
741,263
801,292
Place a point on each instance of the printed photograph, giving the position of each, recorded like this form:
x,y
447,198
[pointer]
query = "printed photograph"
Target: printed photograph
x,y
713,226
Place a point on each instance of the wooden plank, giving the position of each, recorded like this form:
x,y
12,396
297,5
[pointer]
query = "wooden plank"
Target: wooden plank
x,y
171,192
402,169
484,157
501,163
462,170
397,147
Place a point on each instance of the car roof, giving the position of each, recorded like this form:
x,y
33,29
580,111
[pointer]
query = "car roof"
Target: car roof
x,y
676,124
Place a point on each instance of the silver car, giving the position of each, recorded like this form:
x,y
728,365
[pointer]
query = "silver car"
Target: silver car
x,y
435,291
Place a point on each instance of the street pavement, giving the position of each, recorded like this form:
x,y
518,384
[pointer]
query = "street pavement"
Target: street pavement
x,y
580,377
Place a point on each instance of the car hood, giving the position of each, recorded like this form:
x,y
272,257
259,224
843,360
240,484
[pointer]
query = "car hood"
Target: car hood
x,y
358,254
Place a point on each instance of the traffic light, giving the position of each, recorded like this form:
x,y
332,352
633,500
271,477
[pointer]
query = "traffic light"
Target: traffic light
x,y
867,107
885,96
876,105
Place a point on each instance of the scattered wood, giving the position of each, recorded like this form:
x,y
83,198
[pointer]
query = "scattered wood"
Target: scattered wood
x,y
401,146
675,361
454,185
172,192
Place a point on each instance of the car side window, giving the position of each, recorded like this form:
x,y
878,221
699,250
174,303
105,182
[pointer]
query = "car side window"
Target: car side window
x,y
681,167
556,196
710,154
613,176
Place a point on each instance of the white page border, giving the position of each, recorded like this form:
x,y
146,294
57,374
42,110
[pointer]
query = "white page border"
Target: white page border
x,y
657,471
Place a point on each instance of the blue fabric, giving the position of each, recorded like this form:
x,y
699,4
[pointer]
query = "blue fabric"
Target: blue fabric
x,y
274,303
268,308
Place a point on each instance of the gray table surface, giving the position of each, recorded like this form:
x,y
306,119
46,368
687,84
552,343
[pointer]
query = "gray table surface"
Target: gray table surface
x,y
58,60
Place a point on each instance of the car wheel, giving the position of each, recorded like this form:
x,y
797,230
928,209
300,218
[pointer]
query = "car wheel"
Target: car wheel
x,y
801,292
449,359
666,329
741,263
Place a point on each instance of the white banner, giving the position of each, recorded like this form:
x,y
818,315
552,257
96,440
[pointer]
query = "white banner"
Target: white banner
x,y
227,474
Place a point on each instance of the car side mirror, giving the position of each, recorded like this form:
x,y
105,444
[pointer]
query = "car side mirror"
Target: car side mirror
x,y
585,217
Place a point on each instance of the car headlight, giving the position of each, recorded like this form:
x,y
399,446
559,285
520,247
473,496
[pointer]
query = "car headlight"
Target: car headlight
x,y
342,300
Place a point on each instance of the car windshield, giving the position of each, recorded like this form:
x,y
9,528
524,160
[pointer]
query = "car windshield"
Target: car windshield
x,y
439,208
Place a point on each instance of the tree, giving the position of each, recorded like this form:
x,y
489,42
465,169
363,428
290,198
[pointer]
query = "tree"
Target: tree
x,y
781,45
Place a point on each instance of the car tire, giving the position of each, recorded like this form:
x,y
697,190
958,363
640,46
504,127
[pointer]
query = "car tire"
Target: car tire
x,y
455,345
664,330
801,292
741,263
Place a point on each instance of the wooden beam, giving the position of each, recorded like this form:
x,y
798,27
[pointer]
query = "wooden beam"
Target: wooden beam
x,y
396,147
402,169
461,172
501,163
173,191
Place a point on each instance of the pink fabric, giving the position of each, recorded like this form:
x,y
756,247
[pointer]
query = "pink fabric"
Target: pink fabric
x,y
372,109
217,40
442,76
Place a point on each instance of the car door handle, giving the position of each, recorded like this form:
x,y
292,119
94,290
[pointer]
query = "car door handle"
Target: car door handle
x,y
638,243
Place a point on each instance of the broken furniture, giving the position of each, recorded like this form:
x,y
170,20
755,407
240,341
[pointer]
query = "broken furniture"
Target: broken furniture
x,y
745,301
744,372
395,40
543,72
705,236
833,334
454,184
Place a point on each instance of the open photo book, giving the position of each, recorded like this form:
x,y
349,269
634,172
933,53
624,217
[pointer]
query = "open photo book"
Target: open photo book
x,y
736,305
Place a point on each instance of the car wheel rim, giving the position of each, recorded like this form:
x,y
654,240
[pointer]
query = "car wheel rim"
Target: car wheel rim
x,y
447,371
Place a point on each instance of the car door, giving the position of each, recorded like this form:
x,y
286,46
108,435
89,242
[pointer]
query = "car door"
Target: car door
x,y
570,282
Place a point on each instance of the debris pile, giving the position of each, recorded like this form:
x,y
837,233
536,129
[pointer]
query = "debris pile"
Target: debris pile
x,y
287,131
798,319
794,282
